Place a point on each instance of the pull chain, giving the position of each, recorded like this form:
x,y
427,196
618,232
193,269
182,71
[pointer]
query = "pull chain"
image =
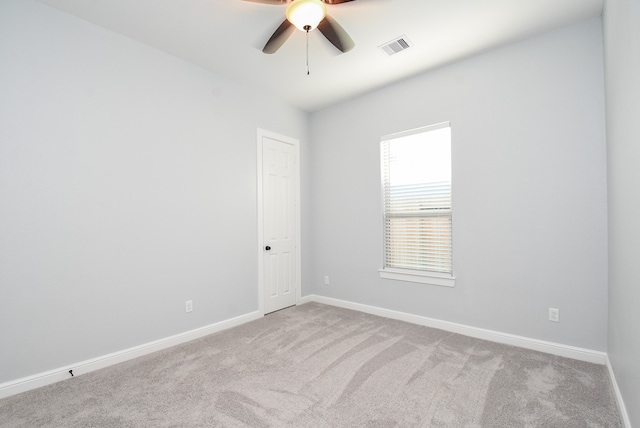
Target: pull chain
x,y
306,27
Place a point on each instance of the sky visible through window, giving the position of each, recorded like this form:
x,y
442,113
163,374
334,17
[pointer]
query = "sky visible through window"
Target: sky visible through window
x,y
421,158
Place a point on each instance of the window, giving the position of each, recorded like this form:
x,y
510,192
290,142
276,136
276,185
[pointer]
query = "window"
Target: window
x,y
416,194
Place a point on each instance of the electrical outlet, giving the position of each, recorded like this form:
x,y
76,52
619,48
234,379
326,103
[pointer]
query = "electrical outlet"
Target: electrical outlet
x,y
326,280
188,306
554,315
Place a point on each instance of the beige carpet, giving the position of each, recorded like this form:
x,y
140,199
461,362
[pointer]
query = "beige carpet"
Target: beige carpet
x,y
321,366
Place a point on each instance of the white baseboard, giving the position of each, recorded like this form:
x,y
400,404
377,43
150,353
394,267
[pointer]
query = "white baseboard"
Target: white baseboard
x,y
581,354
62,373
621,407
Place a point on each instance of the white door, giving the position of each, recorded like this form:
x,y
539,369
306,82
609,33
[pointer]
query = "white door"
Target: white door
x,y
279,218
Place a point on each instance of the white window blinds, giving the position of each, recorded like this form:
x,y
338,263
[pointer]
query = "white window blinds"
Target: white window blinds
x,y
416,192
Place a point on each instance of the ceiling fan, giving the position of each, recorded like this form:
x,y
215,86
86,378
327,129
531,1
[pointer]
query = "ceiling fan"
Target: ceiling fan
x,y
307,15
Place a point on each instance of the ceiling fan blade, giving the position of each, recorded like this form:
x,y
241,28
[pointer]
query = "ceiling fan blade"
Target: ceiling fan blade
x,y
336,34
336,1
278,37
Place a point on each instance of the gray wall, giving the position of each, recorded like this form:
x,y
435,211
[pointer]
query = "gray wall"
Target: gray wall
x,y
529,190
127,186
622,67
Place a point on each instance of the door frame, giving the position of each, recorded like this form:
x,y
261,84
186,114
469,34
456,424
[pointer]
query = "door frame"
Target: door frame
x,y
261,134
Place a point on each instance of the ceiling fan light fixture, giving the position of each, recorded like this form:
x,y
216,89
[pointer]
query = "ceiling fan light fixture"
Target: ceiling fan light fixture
x,y
306,14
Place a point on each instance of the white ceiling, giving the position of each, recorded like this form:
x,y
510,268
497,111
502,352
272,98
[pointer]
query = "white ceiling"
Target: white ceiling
x,y
227,36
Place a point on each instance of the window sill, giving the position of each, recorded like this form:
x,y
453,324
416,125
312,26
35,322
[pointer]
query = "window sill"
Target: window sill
x,y
417,276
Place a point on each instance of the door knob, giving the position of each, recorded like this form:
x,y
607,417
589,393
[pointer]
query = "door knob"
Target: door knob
x,y
267,248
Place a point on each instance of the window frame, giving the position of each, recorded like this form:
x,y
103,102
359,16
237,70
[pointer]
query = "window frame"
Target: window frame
x,y
403,274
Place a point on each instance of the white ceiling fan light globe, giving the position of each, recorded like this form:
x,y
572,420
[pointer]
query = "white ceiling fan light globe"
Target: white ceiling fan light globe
x,y
303,13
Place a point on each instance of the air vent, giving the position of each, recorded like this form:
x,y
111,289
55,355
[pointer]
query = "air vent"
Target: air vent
x,y
396,45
